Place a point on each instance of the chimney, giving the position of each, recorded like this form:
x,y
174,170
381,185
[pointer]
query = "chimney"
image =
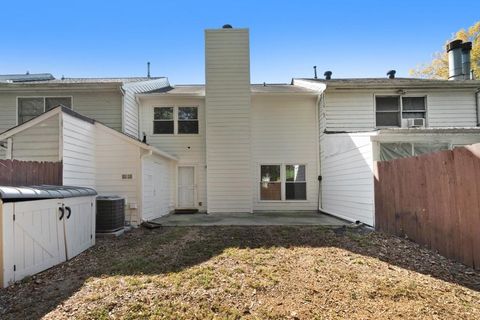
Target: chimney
x,y
391,74
227,116
328,75
455,69
466,64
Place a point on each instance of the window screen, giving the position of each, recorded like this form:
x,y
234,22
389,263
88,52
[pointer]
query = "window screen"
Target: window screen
x,y
387,111
413,107
29,108
163,122
52,102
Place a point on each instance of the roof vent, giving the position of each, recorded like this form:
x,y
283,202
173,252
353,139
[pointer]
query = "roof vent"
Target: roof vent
x,y
227,26
328,75
391,74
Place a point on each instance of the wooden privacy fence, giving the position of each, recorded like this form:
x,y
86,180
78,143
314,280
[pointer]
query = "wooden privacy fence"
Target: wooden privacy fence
x,y
434,200
22,173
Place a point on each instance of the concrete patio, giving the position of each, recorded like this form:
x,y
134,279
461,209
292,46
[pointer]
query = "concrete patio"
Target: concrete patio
x,y
291,218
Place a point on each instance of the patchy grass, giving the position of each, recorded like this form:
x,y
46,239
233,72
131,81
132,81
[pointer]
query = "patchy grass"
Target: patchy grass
x,y
249,272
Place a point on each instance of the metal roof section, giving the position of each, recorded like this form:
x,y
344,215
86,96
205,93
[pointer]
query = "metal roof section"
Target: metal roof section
x,y
44,192
27,77
199,90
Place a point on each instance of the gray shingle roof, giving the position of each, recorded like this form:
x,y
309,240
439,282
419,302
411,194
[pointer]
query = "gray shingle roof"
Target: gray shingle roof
x,y
26,77
397,82
47,78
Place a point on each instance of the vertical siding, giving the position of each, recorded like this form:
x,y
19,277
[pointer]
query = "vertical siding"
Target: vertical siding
x,y
189,148
113,158
38,143
130,105
228,105
284,131
78,152
347,171
104,106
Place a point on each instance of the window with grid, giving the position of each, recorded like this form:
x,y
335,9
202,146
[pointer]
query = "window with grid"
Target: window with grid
x,y
31,107
163,122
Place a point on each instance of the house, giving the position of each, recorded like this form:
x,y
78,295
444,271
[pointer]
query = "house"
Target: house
x,y
97,156
231,146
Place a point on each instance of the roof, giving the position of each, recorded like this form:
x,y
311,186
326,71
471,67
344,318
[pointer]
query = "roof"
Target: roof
x,y
26,77
61,109
44,192
199,90
354,83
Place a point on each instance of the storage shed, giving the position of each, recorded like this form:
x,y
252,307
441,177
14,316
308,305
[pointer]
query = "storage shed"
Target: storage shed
x,y
42,226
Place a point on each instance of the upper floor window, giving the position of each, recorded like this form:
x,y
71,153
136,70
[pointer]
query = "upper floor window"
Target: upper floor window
x,y
391,110
175,120
31,107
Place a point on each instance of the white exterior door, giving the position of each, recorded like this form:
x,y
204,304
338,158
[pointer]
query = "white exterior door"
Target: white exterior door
x,y
186,187
39,239
79,225
156,190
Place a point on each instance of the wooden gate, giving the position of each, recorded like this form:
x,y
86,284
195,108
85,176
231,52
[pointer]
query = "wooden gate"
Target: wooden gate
x,y
24,173
434,200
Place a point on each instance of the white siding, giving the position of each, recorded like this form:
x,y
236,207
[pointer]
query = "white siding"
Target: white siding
x,y
354,110
228,113
158,187
347,171
104,106
115,157
284,131
38,143
130,105
189,148
78,152
452,109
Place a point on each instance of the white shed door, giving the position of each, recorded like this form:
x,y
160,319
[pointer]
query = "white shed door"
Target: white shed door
x,y
156,190
79,225
186,187
39,241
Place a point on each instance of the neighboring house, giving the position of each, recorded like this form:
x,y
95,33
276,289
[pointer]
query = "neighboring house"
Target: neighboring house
x,y
96,156
108,100
366,120
230,146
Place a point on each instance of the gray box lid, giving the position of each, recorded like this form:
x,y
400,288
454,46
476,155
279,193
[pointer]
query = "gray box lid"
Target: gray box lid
x,y
44,192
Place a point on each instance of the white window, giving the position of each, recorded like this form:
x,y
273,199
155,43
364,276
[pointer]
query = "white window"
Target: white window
x,y
390,110
283,182
31,107
175,120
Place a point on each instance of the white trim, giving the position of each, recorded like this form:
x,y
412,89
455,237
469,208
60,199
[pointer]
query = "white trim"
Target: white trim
x,y
30,123
195,187
283,181
400,111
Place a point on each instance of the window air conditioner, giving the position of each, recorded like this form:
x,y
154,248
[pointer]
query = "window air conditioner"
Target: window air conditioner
x,y
416,122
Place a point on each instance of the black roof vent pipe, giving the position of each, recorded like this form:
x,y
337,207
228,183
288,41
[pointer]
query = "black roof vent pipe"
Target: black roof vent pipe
x,y
328,75
227,26
391,74
315,72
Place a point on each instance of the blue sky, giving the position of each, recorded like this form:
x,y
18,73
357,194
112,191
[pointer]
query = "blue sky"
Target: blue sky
x,y
116,38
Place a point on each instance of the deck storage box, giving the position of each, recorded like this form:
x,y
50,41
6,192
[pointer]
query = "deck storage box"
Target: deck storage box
x,y
42,226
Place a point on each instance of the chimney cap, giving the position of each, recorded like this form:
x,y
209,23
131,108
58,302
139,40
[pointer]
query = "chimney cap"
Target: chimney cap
x,y
454,45
391,74
467,46
328,75
227,26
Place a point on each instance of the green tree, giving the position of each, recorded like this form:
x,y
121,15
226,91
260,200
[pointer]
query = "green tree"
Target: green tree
x,y
438,68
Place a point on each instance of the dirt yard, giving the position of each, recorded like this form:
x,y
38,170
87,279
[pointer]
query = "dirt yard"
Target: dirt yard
x,y
251,273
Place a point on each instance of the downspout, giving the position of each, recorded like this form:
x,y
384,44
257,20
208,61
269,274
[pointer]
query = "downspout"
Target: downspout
x,y
319,165
122,92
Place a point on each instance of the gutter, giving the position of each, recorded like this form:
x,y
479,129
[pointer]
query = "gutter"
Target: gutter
x,y
477,105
